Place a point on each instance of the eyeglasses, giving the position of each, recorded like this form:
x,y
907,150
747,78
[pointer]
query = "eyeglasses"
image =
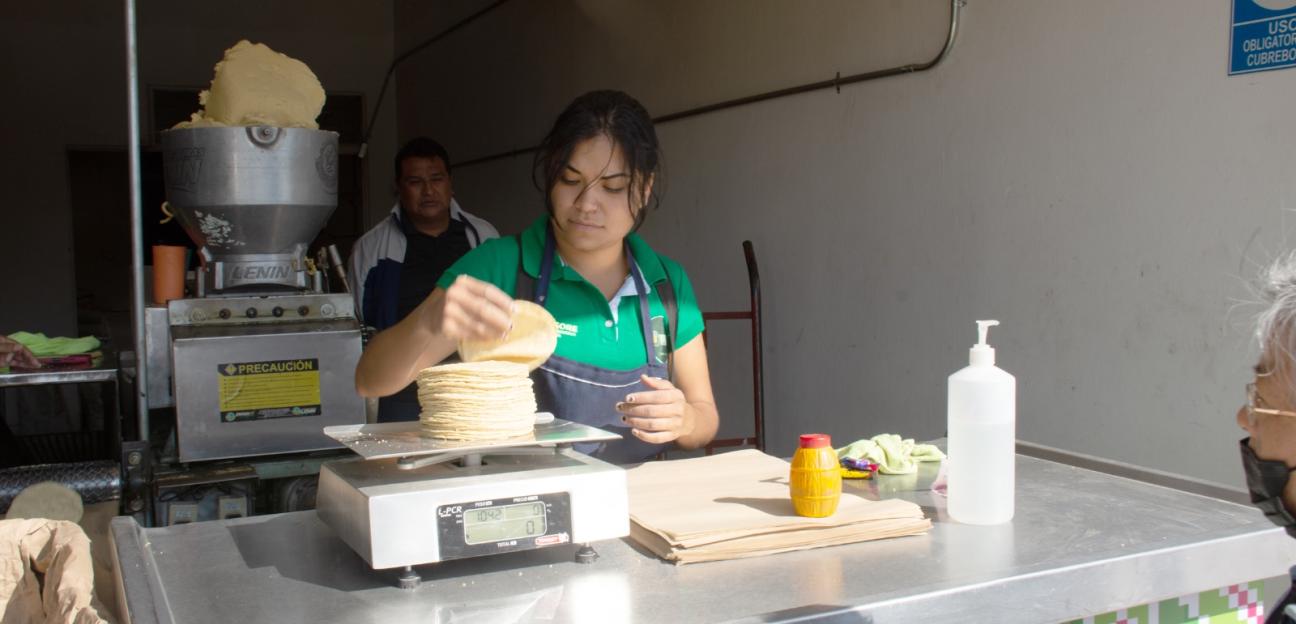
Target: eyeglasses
x,y
1252,410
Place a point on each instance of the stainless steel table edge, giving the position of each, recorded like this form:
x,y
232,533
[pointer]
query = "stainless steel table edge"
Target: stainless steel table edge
x,y
1081,590
140,603
1125,470
41,377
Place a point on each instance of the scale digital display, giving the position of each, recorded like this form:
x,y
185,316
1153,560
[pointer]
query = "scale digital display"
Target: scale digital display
x,y
510,522
484,527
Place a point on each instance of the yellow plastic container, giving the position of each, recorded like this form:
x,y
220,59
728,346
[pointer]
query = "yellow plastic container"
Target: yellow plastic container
x,y
815,482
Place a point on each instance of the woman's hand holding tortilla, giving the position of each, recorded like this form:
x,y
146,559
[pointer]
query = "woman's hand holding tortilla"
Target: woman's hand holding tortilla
x,y
473,310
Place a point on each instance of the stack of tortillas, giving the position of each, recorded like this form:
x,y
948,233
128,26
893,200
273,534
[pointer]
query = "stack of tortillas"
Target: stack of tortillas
x,y
489,395
476,401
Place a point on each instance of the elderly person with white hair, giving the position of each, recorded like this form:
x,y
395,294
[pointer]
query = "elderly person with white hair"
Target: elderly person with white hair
x,y
1269,415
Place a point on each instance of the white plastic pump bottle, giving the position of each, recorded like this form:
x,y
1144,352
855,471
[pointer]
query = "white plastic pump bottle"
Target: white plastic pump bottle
x,y
980,476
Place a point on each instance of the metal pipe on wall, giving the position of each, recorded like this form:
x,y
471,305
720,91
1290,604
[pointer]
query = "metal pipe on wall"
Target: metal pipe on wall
x,y
391,69
836,82
137,223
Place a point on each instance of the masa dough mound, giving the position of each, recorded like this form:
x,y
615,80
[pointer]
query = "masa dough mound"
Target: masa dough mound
x,y
256,86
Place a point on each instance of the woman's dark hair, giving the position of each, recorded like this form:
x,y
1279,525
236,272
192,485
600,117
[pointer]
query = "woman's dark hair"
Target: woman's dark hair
x,y
619,117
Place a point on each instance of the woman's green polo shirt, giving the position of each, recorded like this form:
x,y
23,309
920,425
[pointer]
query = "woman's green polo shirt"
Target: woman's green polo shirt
x,y
587,331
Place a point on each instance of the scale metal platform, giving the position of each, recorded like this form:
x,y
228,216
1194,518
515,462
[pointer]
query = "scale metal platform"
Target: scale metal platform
x,y
408,500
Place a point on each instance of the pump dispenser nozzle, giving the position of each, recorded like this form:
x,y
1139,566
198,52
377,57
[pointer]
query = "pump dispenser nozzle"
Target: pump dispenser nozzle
x,y
982,354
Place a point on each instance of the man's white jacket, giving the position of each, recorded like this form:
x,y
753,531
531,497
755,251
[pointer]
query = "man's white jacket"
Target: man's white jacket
x,y
376,260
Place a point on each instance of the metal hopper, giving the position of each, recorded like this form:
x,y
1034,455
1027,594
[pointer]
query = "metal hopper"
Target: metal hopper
x,y
252,199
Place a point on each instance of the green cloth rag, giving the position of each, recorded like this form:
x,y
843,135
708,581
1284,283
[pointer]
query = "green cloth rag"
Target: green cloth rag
x,y
891,453
42,346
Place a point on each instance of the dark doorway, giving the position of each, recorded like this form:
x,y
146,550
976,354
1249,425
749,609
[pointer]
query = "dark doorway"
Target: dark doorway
x,y
99,190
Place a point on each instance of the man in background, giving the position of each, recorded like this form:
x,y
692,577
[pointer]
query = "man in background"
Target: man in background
x,y
396,265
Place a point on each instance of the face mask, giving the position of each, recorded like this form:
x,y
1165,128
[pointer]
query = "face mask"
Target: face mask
x,y
1265,481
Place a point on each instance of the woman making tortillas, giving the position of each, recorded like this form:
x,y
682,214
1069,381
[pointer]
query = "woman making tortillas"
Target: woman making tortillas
x,y
618,365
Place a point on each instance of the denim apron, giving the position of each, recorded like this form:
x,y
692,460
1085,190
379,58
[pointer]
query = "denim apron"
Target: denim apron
x,y
588,394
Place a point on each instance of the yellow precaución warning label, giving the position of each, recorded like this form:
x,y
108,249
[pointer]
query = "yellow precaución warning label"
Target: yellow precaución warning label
x,y
270,389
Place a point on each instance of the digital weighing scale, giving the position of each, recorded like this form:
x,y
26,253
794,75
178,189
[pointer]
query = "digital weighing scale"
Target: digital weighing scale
x,y
409,500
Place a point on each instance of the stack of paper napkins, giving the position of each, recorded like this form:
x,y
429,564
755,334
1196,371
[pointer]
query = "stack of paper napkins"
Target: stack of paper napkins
x,y
737,505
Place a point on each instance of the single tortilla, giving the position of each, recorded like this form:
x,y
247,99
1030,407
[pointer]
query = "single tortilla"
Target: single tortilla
x,y
47,499
531,341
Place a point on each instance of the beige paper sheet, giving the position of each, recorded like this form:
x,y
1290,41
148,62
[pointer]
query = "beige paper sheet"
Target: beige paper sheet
x,y
736,505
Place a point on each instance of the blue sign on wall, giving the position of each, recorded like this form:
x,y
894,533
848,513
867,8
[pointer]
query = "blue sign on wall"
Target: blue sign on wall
x,y
1263,35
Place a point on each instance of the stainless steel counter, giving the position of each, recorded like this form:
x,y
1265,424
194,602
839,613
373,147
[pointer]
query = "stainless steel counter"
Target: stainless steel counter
x,y
1082,543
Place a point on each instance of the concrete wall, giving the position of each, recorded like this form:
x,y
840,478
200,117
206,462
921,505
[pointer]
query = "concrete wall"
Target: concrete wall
x,y
1085,172
64,67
